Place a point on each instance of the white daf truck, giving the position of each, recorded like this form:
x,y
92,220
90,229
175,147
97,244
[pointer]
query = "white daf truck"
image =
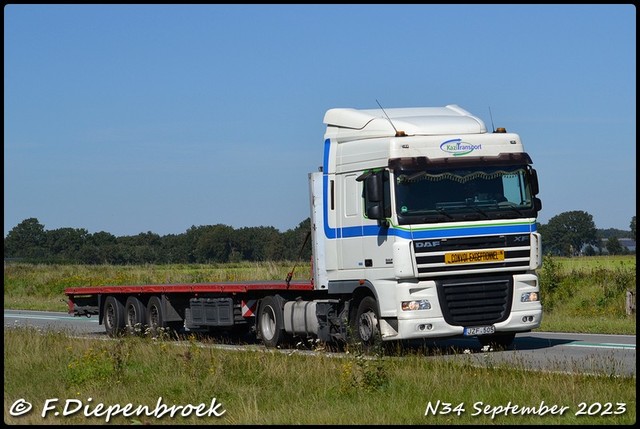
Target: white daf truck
x,y
423,225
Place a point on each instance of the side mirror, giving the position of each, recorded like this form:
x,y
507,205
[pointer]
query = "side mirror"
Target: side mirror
x,y
375,212
537,204
373,184
374,196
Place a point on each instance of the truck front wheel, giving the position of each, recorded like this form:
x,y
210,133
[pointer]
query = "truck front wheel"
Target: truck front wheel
x,y
365,325
113,316
271,321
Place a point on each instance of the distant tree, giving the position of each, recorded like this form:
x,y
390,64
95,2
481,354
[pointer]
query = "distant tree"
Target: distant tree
x,y
244,245
91,255
143,239
612,232
26,240
567,233
174,249
143,248
614,247
101,238
119,254
632,225
214,244
296,248
65,243
267,244
191,238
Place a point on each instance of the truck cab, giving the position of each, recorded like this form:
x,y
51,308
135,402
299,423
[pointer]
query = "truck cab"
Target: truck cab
x,y
426,223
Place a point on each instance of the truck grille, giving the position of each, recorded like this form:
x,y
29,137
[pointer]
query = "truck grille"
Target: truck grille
x,y
430,254
475,301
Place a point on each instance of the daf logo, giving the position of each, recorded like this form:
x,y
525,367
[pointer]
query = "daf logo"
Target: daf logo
x,y
421,244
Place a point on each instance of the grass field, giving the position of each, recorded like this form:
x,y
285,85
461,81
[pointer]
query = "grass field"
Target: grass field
x,y
588,294
93,382
276,388
585,294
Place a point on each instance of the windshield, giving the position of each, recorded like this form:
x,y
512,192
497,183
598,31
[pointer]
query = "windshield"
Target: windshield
x,y
438,195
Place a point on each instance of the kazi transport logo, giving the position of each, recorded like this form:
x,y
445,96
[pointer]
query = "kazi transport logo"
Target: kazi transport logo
x,y
457,147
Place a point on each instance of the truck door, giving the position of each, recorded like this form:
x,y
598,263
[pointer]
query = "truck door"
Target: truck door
x,y
350,218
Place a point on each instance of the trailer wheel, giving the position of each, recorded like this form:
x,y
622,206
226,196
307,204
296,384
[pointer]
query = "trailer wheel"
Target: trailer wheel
x,y
155,316
135,315
113,316
271,321
365,324
497,341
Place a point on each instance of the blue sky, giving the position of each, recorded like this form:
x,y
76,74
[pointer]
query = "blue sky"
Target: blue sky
x,y
134,118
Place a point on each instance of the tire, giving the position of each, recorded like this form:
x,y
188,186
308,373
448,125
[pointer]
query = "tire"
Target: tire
x,y
135,316
271,321
155,316
365,326
497,341
113,316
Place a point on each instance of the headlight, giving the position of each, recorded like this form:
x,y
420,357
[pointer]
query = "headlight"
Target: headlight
x,y
422,304
529,297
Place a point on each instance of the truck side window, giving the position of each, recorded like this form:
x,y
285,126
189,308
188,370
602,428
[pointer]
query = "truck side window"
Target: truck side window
x,y
387,194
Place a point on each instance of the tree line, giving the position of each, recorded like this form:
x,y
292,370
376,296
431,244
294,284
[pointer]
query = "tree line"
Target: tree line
x,y
574,233
567,234
29,241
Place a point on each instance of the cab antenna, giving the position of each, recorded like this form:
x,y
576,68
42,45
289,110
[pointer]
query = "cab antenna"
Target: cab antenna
x,y
398,133
493,128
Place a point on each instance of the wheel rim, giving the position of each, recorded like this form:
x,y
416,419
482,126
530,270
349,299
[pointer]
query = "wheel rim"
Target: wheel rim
x,y
154,319
110,316
268,323
132,318
367,326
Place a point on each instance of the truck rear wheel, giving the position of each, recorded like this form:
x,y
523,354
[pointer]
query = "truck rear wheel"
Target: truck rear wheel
x,y
271,321
155,316
135,315
365,325
113,316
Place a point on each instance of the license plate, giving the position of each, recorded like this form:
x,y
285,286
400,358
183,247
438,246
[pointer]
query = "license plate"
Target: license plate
x,y
480,330
473,257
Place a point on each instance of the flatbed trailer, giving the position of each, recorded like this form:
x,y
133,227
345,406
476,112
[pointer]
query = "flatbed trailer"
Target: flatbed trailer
x,y
182,306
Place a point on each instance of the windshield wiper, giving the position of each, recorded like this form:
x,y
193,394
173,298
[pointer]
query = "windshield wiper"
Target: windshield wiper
x,y
479,210
510,206
444,212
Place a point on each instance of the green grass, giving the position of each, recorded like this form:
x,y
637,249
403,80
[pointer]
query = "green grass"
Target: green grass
x,y
41,286
273,387
586,263
585,294
588,294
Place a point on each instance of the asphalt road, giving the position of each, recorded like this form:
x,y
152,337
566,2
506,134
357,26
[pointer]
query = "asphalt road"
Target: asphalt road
x,y
611,355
